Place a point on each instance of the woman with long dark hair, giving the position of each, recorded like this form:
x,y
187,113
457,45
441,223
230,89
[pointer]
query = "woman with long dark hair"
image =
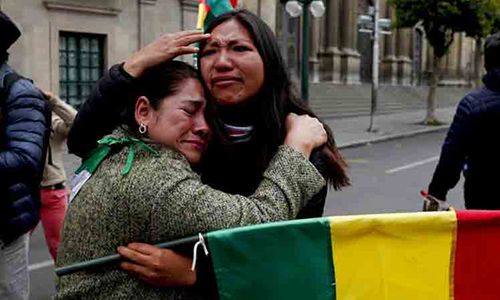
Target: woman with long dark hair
x,y
244,73
256,109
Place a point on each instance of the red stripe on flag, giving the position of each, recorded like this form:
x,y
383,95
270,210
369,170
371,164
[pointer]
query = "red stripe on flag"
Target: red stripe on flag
x,y
234,3
477,263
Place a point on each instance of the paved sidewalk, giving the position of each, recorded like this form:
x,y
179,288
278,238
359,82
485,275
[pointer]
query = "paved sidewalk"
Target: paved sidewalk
x,y
352,132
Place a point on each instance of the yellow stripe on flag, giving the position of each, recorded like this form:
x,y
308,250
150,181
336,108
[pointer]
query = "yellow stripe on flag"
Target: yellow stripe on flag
x,y
202,14
393,256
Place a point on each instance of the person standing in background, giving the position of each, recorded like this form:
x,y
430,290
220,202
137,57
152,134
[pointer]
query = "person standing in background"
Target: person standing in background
x,y
54,189
470,147
24,138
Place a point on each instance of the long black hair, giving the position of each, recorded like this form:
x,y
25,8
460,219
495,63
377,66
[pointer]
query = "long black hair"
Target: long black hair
x,y
277,98
156,84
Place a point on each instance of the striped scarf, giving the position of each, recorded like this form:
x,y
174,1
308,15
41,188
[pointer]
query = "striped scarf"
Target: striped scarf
x,y
239,134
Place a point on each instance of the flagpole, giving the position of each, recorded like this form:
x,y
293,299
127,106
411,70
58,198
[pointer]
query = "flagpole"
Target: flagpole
x,y
202,13
115,258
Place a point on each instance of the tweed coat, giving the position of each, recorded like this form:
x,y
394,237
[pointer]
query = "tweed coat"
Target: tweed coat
x,y
163,199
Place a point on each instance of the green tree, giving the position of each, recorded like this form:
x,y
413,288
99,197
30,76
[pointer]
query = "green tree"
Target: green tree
x,y
481,18
441,19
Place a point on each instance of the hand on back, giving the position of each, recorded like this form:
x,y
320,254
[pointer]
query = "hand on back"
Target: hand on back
x,y
304,133
165,48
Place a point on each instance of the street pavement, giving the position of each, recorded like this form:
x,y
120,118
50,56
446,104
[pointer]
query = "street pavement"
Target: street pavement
x,y
351,132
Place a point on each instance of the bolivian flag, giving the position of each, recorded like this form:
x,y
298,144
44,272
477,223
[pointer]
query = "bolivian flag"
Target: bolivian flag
x,y
401,256
210,9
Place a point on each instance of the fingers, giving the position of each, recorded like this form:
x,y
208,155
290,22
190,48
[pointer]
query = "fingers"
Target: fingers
x,y
143,248
155,266
165,48
305,133
187,33
186,50
138,253
48,95
192,38
184,38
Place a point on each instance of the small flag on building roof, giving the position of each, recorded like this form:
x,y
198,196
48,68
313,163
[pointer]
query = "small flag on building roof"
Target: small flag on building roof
x,y
210,9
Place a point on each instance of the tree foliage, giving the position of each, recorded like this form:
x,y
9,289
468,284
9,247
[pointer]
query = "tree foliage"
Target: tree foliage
x,y
480,17
439,18
442,18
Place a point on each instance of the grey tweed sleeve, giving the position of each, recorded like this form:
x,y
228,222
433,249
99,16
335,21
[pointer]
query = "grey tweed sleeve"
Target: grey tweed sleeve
x,y
183,205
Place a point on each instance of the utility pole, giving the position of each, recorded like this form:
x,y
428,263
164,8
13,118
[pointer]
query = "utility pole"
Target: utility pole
x,y
372,24
305,53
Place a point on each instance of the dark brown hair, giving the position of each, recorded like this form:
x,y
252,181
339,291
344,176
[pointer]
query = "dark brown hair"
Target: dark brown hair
x,y
277,99
157,83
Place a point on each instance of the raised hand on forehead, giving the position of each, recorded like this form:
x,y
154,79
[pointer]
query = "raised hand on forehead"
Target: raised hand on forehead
x,y
164,48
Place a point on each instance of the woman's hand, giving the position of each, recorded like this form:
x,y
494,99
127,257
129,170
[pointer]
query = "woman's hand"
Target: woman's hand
x,y
157,267
165,48
49,96
304,133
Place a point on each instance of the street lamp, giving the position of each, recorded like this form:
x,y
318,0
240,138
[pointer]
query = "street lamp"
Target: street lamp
x,y
295,8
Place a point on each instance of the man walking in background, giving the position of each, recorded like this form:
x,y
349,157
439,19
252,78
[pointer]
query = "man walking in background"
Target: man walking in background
x,y
471,140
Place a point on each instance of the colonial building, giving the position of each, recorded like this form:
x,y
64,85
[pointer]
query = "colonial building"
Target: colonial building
x,y
66,44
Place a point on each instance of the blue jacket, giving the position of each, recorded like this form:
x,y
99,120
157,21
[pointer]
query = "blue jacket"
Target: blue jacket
x,y
24,136
472,139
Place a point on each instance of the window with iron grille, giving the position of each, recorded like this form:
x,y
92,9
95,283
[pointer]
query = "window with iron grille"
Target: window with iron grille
x,y
81,64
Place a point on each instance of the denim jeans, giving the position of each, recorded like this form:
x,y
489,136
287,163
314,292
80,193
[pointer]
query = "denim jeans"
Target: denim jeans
x,y
14,275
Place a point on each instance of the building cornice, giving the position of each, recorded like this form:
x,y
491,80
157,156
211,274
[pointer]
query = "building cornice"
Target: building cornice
x,y
190,4
56,5
147,2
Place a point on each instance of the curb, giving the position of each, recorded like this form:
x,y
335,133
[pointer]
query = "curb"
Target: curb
x,y
364,142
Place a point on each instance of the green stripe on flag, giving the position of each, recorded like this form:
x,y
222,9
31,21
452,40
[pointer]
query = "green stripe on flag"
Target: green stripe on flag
x,y
284,260
218,7
209,18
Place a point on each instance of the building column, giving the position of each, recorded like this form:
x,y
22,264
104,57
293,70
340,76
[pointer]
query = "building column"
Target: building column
x,y
263,9
314,42
404,43
146,24
330,53
451,62
467,60
462,73
389,61
351,59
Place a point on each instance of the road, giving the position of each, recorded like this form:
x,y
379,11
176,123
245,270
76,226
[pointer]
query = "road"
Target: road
x,y
386,177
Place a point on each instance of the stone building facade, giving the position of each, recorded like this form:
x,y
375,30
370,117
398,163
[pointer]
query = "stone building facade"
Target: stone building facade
x,y
340,54
66,44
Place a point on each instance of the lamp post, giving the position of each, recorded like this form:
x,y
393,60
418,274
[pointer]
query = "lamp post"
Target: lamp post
x,y
294,9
